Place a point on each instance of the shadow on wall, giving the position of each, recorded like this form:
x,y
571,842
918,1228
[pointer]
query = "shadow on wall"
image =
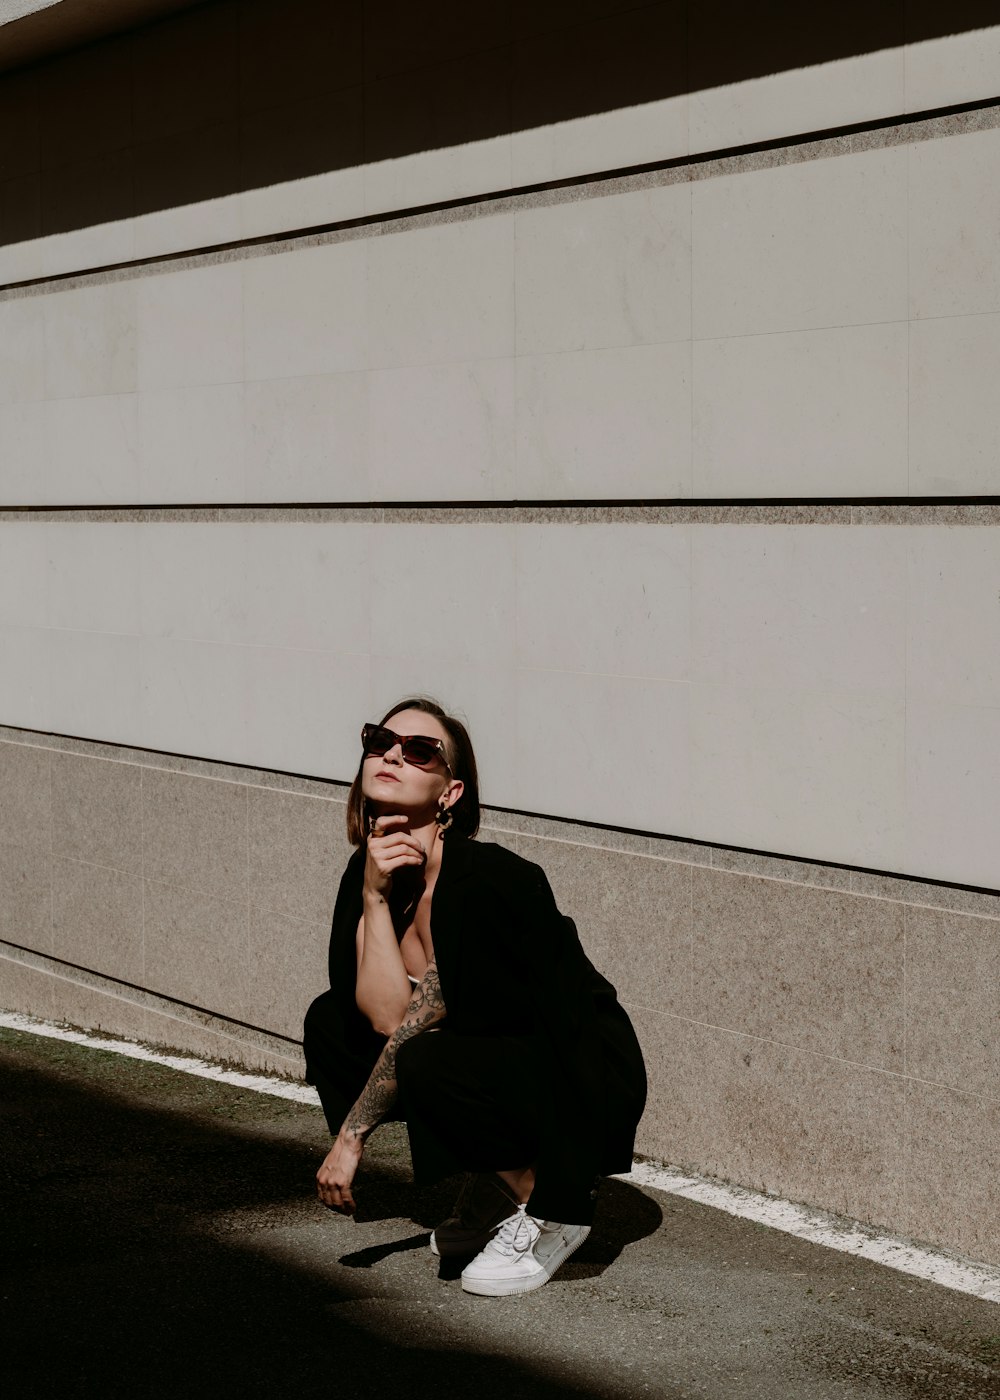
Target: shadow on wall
x,y
237,96
167,1253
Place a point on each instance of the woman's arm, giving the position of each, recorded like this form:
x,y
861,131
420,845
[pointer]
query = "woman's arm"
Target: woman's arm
x,y
335,1176
382,989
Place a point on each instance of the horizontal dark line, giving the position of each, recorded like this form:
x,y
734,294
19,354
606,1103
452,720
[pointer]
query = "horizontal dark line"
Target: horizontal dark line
x,y
744,850
148,991
550,503
540,816
519,191
172,753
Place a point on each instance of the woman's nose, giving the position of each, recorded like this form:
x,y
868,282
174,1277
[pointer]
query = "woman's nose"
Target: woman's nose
x,y
394,755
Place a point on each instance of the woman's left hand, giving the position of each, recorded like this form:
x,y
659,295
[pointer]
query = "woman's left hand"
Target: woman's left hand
x,y
335,1176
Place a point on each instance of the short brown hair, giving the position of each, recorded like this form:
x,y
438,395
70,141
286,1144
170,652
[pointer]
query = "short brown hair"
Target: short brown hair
x,y
462,760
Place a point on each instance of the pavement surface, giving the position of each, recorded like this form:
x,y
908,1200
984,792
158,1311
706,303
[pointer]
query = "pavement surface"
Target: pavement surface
x,y
160,1237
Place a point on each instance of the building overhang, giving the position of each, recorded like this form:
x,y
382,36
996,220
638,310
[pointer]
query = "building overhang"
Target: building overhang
x,y
35,29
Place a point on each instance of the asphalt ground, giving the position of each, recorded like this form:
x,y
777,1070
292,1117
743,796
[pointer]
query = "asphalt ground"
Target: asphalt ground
x,y
161,1238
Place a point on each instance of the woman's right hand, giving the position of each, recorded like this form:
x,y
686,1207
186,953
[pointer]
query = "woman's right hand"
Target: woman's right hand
x,y
387,851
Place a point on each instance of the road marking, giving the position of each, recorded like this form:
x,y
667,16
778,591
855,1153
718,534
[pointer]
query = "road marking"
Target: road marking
x,y
847,1236
833,1232
260,1083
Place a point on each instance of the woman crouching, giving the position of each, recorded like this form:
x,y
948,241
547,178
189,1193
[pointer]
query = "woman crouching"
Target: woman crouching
x,y
462,1002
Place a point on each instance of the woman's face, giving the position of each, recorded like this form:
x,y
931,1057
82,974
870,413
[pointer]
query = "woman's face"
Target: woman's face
x,y
395,786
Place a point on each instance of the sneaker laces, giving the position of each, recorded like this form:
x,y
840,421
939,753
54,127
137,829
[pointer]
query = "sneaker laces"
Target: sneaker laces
x,y
516,1235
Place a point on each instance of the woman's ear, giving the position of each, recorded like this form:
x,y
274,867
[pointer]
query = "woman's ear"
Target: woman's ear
x,y
453,792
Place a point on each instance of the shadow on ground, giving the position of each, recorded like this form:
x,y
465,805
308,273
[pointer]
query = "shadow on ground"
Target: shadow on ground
x,y
138,1255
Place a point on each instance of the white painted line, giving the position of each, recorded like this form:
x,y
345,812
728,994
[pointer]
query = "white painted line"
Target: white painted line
x,y
260,1083
978,1280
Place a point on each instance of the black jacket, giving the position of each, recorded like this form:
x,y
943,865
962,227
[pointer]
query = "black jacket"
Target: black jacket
x,y
509,962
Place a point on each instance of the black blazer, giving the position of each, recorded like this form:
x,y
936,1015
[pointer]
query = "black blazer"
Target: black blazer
x,y
509,963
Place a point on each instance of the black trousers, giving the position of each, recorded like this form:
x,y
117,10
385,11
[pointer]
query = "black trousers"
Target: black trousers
x,y
470,1102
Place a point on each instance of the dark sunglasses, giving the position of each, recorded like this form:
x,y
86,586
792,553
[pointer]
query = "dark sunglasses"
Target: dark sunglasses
x,y
417,749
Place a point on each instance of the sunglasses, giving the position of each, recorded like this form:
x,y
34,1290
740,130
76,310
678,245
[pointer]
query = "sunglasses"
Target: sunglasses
x,y
417,749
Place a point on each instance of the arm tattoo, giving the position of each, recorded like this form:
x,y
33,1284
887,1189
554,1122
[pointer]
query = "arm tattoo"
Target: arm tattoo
x,y
426,1008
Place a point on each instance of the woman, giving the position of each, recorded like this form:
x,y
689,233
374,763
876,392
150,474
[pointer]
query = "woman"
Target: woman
x,y
461,1001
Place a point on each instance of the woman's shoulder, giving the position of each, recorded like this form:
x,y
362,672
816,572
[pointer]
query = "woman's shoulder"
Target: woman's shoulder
x,y
489,856
502,868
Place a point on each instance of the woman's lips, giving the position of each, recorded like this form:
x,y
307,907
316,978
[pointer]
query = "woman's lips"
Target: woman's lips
x,y
389,777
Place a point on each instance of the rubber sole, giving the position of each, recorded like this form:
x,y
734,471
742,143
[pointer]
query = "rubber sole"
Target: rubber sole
x,y
505,1288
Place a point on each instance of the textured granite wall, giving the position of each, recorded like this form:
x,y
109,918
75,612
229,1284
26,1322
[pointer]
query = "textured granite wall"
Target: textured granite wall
x,y
812,1031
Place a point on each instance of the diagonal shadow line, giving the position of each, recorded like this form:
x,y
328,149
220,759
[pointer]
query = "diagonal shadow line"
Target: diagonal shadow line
x,y
278,92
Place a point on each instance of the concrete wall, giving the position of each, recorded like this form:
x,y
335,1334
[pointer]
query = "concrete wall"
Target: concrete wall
x,y
679,472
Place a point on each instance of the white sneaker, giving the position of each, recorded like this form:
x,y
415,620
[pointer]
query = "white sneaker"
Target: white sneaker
x,y
523,1254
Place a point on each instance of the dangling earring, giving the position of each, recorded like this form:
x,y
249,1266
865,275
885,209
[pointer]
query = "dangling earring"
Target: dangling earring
x,y
444,817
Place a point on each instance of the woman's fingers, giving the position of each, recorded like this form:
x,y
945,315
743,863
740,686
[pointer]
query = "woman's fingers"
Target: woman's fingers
x,y
333,1180
394,840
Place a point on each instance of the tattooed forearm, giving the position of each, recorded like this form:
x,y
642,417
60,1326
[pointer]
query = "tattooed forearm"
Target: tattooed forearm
x,y
378,1096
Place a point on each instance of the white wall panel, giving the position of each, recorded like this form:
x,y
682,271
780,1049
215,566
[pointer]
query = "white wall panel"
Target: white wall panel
x,y
191,445
609,271
305,311
954,251
614,743
25,680
95,685
22,350
953,632
807,772
92,451
796,247
90,340
953,791
954,414
195,697
22,452
93,577
306,438
190,326
441,294
611,599
306,586
302,708
600,423
442,592
24,575
194,581
802,413
821,608
442,432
